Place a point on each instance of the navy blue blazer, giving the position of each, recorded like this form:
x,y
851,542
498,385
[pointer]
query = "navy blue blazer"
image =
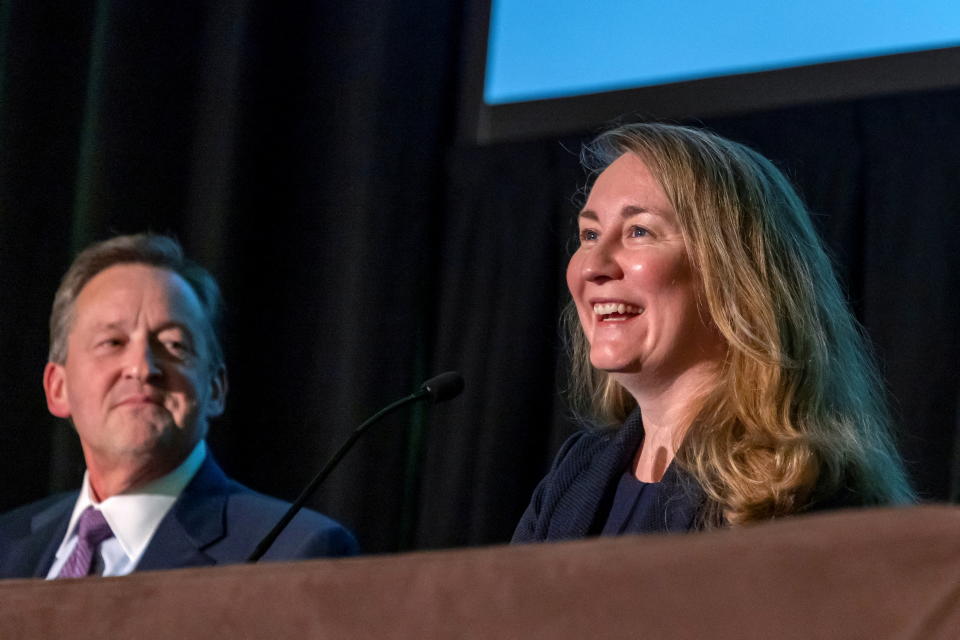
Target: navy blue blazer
x,y
573,499
214,521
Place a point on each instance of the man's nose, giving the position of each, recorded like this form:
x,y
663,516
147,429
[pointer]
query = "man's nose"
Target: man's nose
x,y
141,361
601,263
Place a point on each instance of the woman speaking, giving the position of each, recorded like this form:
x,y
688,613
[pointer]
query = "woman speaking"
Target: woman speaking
x,y
711,339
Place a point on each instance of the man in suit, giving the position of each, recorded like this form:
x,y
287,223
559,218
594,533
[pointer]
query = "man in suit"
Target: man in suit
x,y
136,365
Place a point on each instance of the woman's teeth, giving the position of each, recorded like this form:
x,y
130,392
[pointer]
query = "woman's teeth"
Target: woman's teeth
x,y
608,308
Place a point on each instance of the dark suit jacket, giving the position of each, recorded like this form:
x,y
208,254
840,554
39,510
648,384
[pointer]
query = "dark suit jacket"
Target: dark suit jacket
x,y
214,521
574,498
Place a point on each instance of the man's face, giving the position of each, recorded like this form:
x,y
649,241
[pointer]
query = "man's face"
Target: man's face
x,y
137,380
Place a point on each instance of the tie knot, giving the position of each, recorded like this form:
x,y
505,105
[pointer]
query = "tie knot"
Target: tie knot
x,y
93,527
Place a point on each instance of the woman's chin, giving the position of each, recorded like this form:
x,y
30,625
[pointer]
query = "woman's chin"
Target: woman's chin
x,y
615,365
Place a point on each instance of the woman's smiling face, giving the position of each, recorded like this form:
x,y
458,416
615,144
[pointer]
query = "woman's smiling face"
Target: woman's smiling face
x,y
632,281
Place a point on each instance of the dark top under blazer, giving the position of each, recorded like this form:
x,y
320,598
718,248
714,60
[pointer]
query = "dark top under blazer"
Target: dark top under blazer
x,y
573,499
214,521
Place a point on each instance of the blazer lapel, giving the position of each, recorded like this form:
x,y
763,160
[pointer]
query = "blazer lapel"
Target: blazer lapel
x,y
196,520
580,506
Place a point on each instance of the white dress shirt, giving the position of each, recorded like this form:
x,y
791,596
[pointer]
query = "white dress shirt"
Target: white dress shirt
x,y
133,517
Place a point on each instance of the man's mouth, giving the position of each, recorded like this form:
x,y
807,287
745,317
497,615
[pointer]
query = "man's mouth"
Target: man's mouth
x,y
140,400
616,311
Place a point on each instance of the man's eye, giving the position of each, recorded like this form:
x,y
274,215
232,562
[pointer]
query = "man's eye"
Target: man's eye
x,y
176,347
109,343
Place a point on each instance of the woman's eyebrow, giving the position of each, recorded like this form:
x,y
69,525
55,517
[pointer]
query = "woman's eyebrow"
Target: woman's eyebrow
x,y
627,212
632,210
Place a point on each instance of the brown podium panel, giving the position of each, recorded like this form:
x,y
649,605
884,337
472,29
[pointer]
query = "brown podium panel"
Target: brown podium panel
x,y
885,573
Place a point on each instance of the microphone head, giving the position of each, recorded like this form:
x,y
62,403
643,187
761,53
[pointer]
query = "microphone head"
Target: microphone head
x,y
443,387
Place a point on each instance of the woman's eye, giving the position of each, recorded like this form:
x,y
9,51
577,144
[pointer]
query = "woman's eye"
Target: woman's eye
x,y
638,232
588,235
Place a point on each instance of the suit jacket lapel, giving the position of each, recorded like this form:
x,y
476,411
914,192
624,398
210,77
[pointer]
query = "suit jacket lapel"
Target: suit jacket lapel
x,y
47,530
196,520
29,548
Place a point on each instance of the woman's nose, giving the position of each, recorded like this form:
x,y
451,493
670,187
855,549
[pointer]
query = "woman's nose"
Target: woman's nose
x,y
601,264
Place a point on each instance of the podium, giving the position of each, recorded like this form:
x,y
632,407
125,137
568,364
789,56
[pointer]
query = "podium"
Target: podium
x,y
879,573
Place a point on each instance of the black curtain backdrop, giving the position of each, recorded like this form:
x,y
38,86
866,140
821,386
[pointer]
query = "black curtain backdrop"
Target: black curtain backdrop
x,y
305,154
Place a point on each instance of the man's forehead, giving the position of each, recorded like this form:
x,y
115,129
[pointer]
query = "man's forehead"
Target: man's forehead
x,y
121,293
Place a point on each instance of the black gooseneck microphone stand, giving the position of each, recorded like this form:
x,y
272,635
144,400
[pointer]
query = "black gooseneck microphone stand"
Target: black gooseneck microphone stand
x,y
437,389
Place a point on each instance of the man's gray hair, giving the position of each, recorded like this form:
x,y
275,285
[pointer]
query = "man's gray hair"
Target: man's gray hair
x,y
142,248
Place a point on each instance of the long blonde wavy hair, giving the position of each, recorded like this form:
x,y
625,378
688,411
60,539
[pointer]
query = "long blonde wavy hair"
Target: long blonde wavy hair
x,y
798,414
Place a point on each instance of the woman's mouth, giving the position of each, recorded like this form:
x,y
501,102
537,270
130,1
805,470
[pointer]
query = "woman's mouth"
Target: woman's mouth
x,y
616,311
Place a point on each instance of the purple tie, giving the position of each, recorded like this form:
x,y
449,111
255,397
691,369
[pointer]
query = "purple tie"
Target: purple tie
x,y
92,529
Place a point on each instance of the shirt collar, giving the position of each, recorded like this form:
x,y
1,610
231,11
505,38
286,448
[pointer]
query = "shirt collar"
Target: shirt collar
x,y
134,515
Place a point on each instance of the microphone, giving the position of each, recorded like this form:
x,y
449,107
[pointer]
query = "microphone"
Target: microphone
x,y
443,387
440,388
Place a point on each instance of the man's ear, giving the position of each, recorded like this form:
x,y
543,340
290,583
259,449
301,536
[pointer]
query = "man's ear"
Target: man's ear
x,y
55,388
218,392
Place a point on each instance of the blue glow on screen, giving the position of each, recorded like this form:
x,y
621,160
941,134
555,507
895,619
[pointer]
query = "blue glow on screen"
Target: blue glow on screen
x,y
547,49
